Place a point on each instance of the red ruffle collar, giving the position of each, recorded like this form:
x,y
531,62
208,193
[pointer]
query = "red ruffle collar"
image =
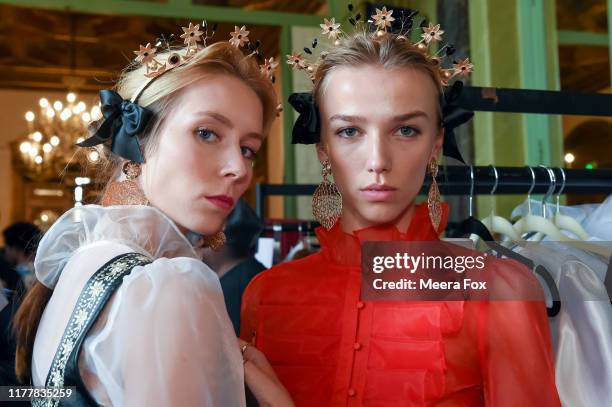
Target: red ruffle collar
x,y
344,248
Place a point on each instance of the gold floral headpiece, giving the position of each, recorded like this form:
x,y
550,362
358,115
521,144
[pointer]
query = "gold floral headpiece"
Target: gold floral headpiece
x,y
380,24
195,38
124,120
307,127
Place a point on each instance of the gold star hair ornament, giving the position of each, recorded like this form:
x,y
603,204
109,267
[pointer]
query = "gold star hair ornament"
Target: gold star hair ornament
x,y
383,23
195,38
124,120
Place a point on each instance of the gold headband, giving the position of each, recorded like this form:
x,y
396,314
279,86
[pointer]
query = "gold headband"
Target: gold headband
x,y
380,24
194,41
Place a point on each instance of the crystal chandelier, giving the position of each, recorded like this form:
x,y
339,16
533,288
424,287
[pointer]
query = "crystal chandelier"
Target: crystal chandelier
x,y
52,135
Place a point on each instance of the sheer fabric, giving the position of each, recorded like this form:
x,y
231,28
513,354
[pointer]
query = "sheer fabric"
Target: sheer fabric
x,y
596,219
599,221
329,348
164,338
582,332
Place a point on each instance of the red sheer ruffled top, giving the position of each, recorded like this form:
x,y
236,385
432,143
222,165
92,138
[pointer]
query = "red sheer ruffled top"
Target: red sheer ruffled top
x,y
329,348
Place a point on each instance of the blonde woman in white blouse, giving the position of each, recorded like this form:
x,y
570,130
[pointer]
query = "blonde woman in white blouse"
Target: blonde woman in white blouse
x,y
184,128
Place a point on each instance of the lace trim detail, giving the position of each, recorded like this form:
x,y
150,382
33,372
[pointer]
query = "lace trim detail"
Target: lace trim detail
x,y
95,294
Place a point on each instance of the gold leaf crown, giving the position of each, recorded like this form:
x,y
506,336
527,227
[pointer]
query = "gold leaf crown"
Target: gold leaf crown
x,y
379,25
195,39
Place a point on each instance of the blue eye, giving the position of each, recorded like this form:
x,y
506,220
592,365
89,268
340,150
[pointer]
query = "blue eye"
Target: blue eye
x,y
407,131
205,134
248,153
348,132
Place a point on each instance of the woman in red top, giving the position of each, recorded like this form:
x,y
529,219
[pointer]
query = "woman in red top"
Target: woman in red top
x,y
380,130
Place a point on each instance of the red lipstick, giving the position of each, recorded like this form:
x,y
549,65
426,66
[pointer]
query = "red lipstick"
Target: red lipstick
x,y
222,201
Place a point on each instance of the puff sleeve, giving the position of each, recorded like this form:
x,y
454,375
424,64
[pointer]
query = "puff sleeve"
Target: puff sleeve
x,y
515,347
170,341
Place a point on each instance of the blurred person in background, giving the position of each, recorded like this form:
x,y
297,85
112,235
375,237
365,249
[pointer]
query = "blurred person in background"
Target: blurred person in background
x,y
17,275
235,262
21,240
8,275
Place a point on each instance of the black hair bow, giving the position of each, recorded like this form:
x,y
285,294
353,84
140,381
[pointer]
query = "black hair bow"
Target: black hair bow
x,y
453,116
123,121
307,127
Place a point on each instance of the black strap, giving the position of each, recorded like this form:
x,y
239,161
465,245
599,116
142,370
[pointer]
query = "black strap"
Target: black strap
x,y
64,371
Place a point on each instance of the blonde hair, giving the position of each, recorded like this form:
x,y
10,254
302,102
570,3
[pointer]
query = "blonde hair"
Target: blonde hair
x,y
161,94
388,51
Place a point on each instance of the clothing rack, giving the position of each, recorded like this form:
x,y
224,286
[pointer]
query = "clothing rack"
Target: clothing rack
x,y
306,226
455,180
535,101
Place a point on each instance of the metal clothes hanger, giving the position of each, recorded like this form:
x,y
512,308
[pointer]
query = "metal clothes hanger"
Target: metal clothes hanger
x,y
471,225
498,224
533,223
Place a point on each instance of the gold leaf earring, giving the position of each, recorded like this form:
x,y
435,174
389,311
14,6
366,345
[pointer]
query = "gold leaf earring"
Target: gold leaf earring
x,y
326,200
214,242
126,192
433,196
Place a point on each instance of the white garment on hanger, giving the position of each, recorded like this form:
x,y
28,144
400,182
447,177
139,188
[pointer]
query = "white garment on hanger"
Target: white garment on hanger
x,y
596,219
582,331
164,338
598,222
3,300
265,251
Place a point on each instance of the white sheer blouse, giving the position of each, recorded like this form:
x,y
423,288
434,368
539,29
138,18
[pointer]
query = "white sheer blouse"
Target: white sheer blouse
x,y
164,338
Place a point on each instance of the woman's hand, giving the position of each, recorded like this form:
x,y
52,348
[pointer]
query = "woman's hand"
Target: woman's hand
x,y
261,379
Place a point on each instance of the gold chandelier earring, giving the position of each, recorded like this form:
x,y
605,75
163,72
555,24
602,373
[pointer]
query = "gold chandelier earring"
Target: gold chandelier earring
x,y
326,200
126,192
434,204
